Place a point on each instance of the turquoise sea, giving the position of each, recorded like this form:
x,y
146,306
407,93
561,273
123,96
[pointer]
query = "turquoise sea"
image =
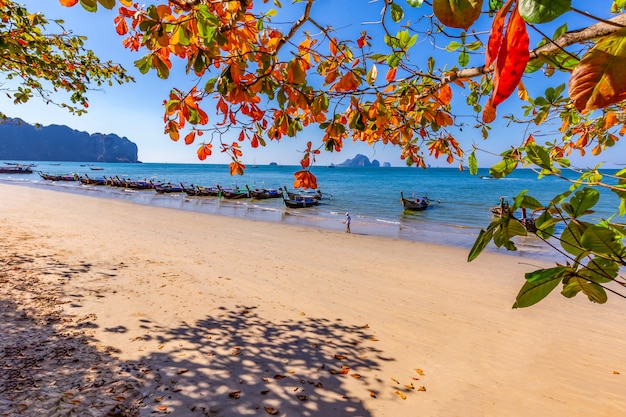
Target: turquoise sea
x,y
371,195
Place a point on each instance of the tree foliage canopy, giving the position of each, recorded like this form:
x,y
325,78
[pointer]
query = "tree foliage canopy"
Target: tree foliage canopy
x,y
268,80
36,63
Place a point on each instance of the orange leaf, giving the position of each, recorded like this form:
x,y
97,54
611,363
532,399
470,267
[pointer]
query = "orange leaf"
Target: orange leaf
x,y
204,151
347,83
333,46
295,72
391,75
68,3
598,81
401,395
489,112
190,137
120,25
445,94
305,179
236,168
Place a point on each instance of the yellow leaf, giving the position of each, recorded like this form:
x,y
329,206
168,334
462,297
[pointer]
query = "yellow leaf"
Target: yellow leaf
x,y
401,395
419,371
522,93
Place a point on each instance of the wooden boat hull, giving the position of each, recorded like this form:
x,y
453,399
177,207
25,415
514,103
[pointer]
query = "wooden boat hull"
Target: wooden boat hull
x,y
414,205
15,170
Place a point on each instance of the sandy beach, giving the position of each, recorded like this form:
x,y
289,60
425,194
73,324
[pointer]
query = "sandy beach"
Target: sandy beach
x,y
113,308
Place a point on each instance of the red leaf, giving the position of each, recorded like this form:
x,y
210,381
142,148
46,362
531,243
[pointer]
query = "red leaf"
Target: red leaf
x,y
495,37
512,59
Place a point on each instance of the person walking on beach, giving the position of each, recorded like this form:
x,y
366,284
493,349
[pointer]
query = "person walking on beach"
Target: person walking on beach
x,y
347,222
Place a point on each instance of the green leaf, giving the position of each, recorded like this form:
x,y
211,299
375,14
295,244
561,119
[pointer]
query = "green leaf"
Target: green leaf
x,y
509,228
397,13
583,200
415,3
108,4
483,239
530,203
601,240
597,81
545,225
570,238
559,31
453,46
543,11
592,290
473,163
503,168
600,270
539,156
463,58
538,285
89,5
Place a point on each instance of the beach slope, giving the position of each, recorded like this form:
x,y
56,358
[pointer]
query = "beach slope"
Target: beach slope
x,y
114,308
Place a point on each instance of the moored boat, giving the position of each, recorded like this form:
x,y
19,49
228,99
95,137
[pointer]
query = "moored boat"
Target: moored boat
x,y
300,202
168,188
264,193
59,177
233,193
15,169
414,204
92,181
315,195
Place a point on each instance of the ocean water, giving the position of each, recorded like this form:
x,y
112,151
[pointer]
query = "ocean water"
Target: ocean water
x,y
460,208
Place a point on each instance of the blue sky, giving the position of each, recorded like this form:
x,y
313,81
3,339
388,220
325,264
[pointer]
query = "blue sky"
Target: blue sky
x,y
135,110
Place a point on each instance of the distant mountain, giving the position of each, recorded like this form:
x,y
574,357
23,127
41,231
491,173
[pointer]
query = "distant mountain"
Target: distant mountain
x,y
24,142
359,161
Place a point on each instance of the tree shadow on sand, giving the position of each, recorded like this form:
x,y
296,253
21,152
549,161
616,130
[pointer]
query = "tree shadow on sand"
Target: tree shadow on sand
x,y
232,363
238,363
49,365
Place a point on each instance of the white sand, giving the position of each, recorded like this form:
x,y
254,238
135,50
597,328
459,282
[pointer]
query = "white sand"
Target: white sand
x,y
201,306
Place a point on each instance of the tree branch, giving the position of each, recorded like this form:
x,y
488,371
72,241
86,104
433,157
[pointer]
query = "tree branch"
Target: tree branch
x,y
569,38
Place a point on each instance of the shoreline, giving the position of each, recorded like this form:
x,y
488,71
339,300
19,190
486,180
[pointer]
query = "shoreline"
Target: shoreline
x,y
212,315
410,227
